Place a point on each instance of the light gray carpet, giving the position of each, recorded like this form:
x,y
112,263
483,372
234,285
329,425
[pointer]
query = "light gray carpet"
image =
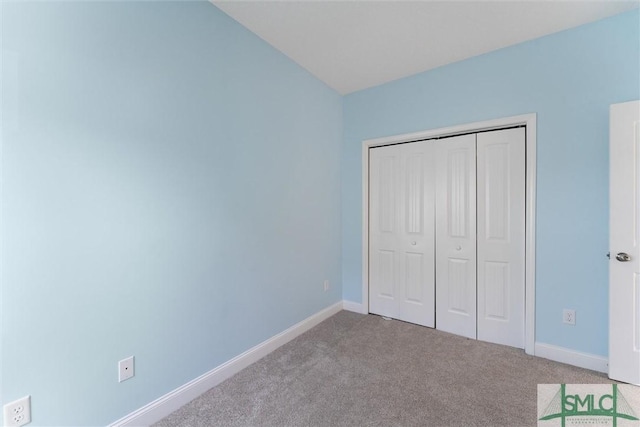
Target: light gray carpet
x,y
362,370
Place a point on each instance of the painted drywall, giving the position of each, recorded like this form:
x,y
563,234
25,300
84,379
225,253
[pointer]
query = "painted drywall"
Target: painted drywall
x,y
569,79
170,190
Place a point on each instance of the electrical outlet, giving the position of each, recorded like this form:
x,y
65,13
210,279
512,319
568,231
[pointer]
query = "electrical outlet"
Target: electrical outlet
x,y
125,369
326,285
569,316
18,412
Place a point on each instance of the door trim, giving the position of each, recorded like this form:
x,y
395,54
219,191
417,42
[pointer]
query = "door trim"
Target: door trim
x,y
529,120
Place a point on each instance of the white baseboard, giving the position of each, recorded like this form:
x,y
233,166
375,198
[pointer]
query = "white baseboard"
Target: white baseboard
x,y
163,406
572,357
356,307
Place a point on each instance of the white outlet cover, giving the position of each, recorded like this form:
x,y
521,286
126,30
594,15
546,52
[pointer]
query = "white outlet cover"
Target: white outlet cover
x,y
125,369
569,316
17,413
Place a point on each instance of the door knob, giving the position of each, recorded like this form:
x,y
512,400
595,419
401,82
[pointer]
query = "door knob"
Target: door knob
x,y
413,243
623,257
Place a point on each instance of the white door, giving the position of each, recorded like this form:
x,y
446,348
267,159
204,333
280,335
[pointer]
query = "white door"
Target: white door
x,y
401,232
456,235
624,229
500,238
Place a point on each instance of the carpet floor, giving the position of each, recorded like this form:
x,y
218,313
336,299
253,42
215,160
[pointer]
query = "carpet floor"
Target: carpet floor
x,y
362,370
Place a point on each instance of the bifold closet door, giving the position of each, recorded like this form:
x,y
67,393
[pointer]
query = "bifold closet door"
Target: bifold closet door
x,y
456,235
480,217
401,232
500,238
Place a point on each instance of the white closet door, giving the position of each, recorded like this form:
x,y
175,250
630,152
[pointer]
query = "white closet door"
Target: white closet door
x,y
501,216
383,229
417,235
456,235
401,232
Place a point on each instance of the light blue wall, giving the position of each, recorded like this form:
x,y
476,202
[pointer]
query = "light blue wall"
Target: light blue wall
x,y
170,190
569,79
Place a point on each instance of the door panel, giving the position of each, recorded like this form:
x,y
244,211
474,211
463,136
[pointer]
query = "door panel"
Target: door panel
x,y
624,217
414,268
386,273
384,251
636,319
415,163
456,235
496,291
387,192
459,287
402,190
501,246
417,239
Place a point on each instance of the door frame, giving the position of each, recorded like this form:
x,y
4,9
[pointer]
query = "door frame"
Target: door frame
x,y
528,120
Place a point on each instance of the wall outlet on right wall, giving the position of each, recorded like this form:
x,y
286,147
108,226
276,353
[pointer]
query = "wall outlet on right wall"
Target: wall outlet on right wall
x,y
569,316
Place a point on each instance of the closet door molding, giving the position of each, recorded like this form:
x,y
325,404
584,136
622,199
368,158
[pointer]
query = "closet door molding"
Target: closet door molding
x,y
528,120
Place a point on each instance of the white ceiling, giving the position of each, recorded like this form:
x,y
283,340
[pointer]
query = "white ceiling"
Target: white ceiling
x,y
356,44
